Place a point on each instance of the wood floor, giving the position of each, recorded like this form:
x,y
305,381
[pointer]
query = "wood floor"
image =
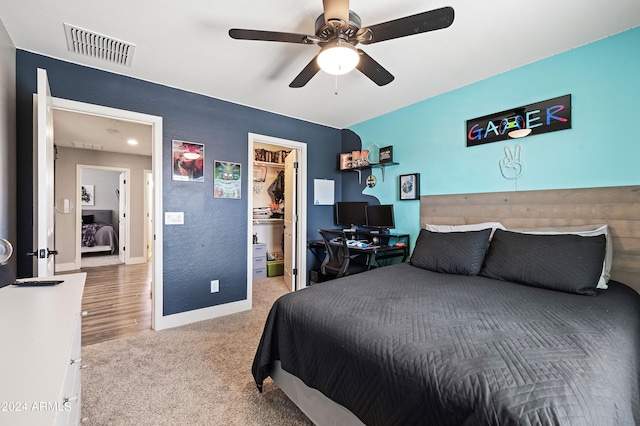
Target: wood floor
x,y
117,299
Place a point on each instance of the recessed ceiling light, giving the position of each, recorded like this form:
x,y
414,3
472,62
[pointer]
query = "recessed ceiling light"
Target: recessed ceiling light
x,y
132,142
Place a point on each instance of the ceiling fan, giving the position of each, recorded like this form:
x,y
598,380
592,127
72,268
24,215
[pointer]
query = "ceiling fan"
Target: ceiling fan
x,y
339,30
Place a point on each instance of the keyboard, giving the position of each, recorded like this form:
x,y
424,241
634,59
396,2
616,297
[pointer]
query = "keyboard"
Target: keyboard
x,y
39,283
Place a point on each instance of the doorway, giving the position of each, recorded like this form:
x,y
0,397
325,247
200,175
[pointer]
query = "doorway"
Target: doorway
x,y
110,189
155,123
296,233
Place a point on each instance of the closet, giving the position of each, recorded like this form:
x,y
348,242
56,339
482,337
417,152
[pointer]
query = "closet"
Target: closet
x,y
268,203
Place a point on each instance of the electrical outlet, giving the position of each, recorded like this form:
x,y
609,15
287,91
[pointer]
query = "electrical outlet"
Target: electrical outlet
x,y
215,286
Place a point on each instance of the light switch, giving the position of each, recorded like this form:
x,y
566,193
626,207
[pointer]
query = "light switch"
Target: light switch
x,y
174,218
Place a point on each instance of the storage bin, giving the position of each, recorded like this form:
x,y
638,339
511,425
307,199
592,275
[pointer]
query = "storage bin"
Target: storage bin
x,y
275,268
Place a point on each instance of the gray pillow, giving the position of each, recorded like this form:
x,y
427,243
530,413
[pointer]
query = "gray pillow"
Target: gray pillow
x,y
569,263
459,253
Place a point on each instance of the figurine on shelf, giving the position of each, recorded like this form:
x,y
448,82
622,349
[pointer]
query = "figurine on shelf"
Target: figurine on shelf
x,y
355,159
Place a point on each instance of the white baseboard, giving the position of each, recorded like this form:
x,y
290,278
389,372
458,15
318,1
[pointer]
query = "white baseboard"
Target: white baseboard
x,y
136,260
184,318
71,266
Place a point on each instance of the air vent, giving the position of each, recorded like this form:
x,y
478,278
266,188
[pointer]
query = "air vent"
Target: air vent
x,y
82,145
98,46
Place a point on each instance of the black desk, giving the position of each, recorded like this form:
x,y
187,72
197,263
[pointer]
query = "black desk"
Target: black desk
x,y
385,248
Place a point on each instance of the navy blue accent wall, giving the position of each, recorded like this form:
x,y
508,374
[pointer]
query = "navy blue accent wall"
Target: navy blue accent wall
x,y
212,242
351,189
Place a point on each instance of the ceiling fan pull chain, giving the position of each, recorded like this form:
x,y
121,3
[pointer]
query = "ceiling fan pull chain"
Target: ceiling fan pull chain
x,y
336,91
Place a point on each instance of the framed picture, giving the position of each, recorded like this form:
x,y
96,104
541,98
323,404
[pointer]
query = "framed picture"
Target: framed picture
x,y
227,179
188,161
88,195
410,186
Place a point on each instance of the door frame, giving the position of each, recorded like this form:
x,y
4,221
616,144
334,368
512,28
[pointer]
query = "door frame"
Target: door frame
x,y
301,246
157,319
78,202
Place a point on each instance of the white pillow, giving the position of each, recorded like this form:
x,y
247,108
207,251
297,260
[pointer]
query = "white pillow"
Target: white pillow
x,y
585,231
464,228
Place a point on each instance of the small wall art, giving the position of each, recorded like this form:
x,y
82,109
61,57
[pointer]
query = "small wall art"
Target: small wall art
x,y
410,186
88,195
188,161
227,179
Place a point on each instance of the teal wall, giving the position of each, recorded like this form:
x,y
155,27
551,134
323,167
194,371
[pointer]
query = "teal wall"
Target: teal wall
x,y
601,149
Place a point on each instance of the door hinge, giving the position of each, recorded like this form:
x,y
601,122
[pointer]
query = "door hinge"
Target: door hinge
x,y
295,271
294,219
295,164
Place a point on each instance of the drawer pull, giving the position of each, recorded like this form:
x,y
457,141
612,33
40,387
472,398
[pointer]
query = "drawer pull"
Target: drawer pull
x,y
82,367
74,361
84,313
71,399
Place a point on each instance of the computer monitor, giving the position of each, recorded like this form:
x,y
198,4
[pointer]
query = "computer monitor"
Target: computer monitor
x,y
351,213
380,217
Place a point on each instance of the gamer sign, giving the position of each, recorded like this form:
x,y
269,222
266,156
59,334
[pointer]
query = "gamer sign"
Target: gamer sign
x,y
542,117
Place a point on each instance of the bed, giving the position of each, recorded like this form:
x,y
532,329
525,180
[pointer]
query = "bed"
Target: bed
x,y
98,234
483,326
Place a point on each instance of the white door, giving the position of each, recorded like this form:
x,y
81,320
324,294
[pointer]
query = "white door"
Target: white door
x,y
122,216
148,212
290,219
44,249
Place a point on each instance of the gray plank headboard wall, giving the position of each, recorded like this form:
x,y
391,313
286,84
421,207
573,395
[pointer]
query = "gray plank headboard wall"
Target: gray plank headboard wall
x,y
619,207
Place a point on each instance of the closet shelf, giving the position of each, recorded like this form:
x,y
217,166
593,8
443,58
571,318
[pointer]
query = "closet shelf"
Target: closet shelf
x,y
267,221
266,163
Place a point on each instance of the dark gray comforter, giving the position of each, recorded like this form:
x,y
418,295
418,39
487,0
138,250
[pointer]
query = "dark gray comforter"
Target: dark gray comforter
x,y
403,345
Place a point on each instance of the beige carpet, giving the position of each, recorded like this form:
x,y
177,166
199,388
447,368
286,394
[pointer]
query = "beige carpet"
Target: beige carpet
x,y
198,374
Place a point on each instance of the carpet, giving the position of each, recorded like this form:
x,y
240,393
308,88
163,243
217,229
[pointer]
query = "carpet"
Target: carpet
x,y
197,374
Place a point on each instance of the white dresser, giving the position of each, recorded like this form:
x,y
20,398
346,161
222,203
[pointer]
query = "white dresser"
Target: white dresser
x,y
259,261
40,329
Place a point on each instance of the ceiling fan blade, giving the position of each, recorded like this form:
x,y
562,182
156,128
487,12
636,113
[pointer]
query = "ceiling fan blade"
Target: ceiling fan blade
x,y
369,67
336,9
241,34
306,74
415,24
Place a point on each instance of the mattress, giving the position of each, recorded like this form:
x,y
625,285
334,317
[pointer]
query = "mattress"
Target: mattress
x,y
404,345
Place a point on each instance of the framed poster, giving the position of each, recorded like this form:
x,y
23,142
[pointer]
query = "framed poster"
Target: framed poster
x,y
188,161
227,179
88,195
410,186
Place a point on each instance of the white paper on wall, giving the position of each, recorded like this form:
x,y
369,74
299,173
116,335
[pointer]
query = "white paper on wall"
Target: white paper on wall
x,y
323,192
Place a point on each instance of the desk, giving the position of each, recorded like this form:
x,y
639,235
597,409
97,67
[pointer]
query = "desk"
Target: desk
x,y
383,250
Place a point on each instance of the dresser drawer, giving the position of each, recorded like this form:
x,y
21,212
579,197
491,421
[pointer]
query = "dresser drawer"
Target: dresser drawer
x,y
259,250
260,273
260,262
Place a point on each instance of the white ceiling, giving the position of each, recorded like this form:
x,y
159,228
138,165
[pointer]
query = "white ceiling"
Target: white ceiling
x,y
185,44
86,131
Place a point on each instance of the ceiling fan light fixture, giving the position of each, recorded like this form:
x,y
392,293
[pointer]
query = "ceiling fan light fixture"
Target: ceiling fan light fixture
x,y
338,57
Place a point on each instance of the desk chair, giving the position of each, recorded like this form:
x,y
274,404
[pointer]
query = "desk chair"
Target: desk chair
x,y
337,260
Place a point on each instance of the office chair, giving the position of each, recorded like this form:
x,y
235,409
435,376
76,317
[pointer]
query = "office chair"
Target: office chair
x,y
337,260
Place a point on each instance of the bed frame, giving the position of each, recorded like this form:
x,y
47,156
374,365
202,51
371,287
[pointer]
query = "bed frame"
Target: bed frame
x,y
99,216
618,207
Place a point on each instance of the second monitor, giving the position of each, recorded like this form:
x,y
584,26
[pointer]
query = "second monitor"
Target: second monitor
x,y
380,217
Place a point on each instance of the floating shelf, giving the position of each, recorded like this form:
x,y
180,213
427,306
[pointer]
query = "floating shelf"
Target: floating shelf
x,y
369,167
